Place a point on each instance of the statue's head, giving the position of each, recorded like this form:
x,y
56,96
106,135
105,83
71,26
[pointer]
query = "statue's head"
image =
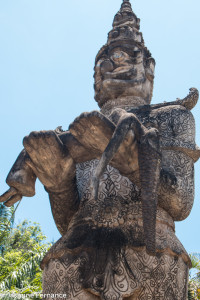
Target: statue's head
x,y
124,67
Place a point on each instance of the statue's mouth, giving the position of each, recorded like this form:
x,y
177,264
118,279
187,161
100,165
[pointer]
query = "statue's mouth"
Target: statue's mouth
x,y
119,80
122,83
121,74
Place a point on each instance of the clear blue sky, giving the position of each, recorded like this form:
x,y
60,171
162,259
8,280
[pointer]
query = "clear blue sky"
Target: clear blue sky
x,y
47,56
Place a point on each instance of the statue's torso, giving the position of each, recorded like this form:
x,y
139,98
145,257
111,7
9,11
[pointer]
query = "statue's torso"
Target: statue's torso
x,y
104,244
115,219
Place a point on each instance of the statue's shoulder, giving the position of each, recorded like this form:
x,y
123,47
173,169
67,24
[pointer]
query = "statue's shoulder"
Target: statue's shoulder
x,y
175,120
172,112
176,125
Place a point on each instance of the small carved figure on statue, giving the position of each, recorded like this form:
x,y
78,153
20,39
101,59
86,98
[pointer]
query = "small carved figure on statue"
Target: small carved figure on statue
x,y
117,180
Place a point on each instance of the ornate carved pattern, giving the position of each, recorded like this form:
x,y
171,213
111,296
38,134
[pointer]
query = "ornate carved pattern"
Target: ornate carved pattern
x,y
119,207
128,272
177,199
106,235
177,129
176,125
179,152
112,183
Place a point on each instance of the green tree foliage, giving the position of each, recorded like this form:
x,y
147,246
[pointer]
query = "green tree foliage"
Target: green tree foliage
x,y
6,223
24,249
194,282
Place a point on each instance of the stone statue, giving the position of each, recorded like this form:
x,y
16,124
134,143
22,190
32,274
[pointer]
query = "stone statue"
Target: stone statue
x,y
117,180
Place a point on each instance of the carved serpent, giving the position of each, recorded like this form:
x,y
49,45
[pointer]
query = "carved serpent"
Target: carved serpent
x,y
149,156
188,102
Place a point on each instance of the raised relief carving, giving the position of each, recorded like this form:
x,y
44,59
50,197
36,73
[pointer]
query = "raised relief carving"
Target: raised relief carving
x,y
117,180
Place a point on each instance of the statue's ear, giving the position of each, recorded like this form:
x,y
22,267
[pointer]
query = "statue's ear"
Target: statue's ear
x,y
150,67
151,63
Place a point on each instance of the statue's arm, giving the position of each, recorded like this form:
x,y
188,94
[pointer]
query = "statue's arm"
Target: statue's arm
x,y
46,157
21,180
176,189
56,169
64,205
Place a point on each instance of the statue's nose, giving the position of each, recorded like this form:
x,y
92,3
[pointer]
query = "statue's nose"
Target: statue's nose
x,y
106,66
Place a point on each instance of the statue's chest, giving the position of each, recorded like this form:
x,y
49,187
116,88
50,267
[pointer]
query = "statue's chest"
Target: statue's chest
x,y
175,125
112,183
118,197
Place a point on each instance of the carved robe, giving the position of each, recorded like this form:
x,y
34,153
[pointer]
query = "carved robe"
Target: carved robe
x,y
104,245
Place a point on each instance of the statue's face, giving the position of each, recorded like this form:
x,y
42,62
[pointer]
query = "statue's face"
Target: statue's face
x,y
122,72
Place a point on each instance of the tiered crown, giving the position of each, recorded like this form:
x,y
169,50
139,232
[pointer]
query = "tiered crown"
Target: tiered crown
x,y
125,31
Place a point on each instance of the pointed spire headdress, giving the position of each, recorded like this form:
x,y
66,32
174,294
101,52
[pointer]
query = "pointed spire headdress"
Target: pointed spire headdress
x,y
125,31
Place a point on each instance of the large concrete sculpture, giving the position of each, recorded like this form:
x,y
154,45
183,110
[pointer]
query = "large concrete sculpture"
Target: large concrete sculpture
x,y
117,180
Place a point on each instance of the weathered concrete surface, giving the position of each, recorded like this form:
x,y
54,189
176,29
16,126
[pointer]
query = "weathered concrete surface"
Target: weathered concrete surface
x,y
117,180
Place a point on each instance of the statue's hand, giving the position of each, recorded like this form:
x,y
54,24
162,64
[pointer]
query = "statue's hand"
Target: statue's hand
x,y
49,159
151,138
10,197
168,178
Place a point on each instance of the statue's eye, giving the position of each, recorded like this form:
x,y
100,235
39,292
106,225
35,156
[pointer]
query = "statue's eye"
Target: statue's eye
x,y
118,56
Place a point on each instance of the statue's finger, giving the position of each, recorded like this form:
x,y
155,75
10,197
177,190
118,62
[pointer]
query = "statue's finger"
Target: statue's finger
x,y
51,138
41,140
13,200
11,192
32,166
38,171
32,141
26,144
54,143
